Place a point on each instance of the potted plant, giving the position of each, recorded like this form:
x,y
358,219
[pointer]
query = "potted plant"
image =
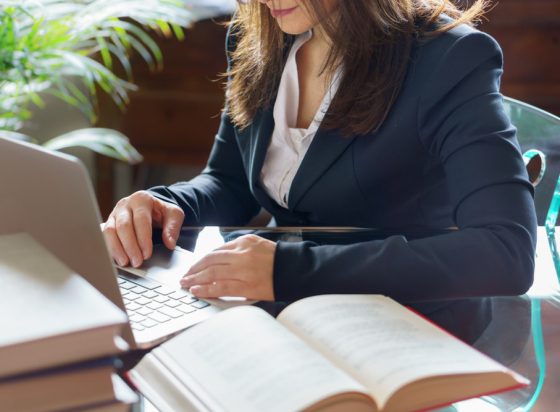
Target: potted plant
x,y
70,50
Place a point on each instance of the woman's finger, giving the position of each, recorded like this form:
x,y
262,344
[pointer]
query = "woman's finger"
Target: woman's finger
x,y
142,219
214,273
127,236
173,217
219,289
241,242
113,243
217,257
231,245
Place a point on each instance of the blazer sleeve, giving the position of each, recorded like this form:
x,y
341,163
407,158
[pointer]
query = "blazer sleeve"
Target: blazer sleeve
x,y
220,195
461,122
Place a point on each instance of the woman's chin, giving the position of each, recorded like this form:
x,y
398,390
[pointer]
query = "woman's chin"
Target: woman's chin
x,y
293,29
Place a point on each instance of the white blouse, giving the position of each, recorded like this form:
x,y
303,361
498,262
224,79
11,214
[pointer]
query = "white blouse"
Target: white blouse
x,y
289,144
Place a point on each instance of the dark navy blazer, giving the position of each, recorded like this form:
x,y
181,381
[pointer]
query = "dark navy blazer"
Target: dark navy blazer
x,y
446,156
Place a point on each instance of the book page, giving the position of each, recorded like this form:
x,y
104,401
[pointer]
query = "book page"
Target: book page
x,y
245,360
380,342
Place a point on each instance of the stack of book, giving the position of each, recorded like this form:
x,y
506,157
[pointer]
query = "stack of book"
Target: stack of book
x,y
58,336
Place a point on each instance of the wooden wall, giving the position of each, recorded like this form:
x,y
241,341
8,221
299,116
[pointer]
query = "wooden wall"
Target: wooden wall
x,y
529,33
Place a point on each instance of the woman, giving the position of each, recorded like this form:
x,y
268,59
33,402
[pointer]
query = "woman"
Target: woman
x,y
369,113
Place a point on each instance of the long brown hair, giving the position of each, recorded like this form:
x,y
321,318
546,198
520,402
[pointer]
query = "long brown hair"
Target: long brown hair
x,y
372,40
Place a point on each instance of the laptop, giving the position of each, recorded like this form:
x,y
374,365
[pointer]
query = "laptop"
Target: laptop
x,y
50,196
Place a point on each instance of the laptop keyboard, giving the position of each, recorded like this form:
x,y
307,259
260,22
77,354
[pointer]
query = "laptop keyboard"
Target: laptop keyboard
x,y
149,303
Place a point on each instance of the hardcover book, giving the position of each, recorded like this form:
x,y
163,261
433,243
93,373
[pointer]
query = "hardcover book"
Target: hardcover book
x,y
49,315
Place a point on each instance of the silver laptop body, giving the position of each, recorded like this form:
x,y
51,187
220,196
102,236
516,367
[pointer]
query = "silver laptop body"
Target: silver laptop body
x,y
50,196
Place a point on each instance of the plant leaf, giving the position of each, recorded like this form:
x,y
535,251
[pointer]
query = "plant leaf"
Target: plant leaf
x,y
15,136
55,43
104,141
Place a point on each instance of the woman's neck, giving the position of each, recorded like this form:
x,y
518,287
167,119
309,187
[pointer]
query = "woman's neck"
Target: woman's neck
x,y
315,51
319,44
312,79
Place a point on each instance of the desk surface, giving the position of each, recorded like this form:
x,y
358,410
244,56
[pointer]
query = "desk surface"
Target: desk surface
x,y
523,333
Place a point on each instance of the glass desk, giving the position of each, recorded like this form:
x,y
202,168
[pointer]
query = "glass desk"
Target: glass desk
x,y
522,332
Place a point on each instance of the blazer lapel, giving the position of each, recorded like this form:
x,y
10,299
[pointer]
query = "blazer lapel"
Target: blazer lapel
x,y
261,131
325,148
260,136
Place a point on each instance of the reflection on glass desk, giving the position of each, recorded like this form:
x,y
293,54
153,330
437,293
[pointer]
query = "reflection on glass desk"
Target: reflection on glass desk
x,y
522,333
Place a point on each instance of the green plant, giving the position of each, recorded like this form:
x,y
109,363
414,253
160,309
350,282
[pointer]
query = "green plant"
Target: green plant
x,y
70,49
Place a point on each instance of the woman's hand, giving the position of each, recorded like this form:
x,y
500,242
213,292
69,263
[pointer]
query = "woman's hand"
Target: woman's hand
x,y
128,229
242,267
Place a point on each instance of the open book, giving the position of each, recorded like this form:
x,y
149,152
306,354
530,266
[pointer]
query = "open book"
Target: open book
x,y
330,352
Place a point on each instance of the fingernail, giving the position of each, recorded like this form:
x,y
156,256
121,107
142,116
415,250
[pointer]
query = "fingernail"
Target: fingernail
x,y
194,290
136,262
186,281
121,261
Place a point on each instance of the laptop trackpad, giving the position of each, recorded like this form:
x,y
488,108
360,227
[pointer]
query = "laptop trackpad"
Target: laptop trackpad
x,y
165,266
